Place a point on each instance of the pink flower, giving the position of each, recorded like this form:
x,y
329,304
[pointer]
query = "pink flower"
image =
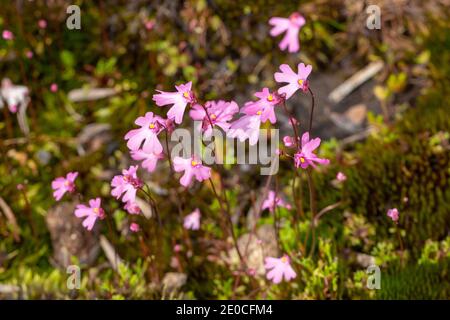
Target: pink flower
x,y
279,268
255,113
192,220
192,167
291,26
127,183
134,227
265,106
289,142
341,177
305,156
150,159
220,113
150,127
393,214
13,95
42,24
132,207
251,272
246,127
179,100
294,80
62,185
169,124
149,25
91,213
7,35
272,202
53,87
29,54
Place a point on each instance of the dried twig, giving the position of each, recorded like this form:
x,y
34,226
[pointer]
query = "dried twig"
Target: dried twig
x,y
344,89
11,219
110,253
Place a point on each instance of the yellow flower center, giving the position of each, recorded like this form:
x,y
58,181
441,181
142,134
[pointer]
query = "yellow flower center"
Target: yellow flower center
x,y
259,112
152,126
194,163
270,97
96,210
186,94
300,82
213,117
66,183
302,160
284,259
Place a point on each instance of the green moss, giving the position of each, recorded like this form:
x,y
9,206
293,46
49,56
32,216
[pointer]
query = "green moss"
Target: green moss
x,y
429,281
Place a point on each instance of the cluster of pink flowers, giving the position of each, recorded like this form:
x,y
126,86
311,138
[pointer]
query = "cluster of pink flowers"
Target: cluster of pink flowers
x,y
216,113
63,185
255,113
145,146
125,186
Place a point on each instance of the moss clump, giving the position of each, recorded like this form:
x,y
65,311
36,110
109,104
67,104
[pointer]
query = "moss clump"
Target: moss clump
x,y
426,281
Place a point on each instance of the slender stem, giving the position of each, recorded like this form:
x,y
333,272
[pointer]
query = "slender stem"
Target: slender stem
x,y
294,126
312,204
230,222
216,157
311,116
325,210
275,216
298,207
257,212
180,211
298,201
153,203
212,127
399,236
